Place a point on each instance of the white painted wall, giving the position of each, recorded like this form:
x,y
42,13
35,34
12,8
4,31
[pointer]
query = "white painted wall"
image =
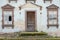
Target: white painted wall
x,y
19,16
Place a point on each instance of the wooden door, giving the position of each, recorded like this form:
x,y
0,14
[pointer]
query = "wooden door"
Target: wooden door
x,y
30,21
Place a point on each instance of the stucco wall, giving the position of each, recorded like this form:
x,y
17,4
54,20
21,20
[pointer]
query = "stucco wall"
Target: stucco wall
x,y
19,16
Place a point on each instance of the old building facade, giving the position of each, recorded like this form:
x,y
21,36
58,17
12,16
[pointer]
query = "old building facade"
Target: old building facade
x,y
30,15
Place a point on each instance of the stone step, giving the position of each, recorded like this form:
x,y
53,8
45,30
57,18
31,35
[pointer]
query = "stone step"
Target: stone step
x,y
7,35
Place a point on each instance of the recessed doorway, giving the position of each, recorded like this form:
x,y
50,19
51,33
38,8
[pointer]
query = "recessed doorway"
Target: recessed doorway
x,y
30,21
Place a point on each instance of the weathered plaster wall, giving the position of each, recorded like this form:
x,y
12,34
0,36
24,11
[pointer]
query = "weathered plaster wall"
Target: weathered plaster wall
x,y
19,15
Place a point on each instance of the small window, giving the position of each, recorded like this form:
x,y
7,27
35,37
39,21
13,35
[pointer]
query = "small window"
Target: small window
x,y
50,1
32,1
13,1
10,19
